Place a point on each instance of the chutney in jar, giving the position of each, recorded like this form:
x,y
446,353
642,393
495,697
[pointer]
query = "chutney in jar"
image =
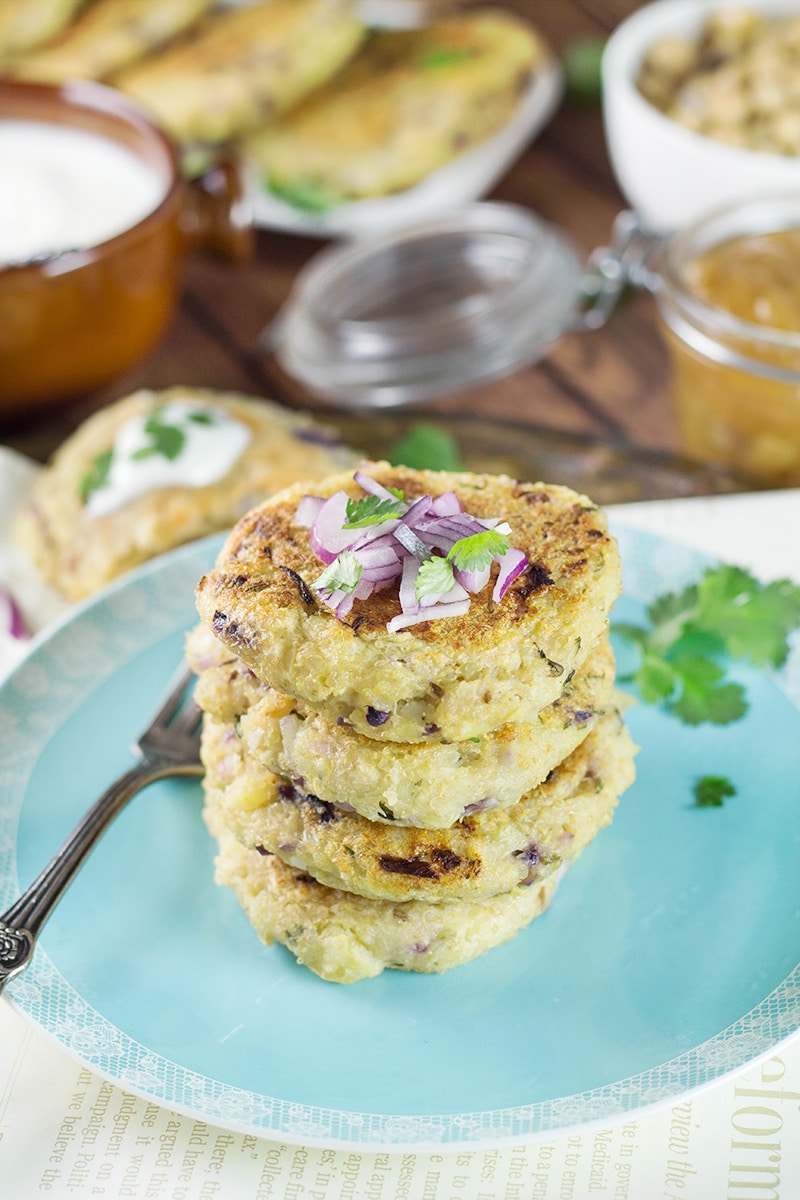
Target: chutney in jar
x,y
731,314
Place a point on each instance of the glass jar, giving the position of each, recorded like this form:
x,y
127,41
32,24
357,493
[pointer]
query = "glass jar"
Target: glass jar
x,y
432,309
729,304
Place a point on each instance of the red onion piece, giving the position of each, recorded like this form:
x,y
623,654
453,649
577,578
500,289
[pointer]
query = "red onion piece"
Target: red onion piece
x,y
512,564
326,535
434,613
447,504
12,621
307,510
474,581
372,486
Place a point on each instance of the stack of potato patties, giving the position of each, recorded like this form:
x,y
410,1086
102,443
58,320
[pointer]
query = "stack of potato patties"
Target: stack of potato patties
x,y
411,726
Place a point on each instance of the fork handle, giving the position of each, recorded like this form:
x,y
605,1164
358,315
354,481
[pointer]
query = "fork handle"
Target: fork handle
x,y
21,924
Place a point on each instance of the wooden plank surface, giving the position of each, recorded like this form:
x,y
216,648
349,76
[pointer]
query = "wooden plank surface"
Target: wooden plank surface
x,y
613,383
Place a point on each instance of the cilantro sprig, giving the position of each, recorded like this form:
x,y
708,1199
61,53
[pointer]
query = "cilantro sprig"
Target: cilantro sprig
x,y
472,553
96,475
446,56
372,510
163,438
306,195
427,447
691,635
342,575
711,791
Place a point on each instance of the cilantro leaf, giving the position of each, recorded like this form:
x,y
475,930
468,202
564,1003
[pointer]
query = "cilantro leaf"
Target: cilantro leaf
x,y
97,474
165,439
371,510
435,575
200,418
306,195
476,552
655,679
704,696
425,447
446,56
342,575
582,71
710,791
754,619
727,614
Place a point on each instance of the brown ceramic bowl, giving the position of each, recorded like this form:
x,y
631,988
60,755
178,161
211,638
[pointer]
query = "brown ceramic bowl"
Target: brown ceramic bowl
x,y
75,321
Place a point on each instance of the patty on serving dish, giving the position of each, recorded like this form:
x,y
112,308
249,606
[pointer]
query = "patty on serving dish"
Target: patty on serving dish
x,y
484,854
409,102
344,938
108,35
429,784
244,65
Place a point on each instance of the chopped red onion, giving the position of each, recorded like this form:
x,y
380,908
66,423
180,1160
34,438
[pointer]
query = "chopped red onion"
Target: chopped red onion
x,y
394,550
512,564
413,617
372,486
12,621
326,534
307,510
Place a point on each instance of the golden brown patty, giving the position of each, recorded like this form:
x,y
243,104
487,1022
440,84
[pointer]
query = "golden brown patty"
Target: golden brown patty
x,y
456,677
429,784
344,938
79,553
482,855
25,23
108,35
411,101
244,65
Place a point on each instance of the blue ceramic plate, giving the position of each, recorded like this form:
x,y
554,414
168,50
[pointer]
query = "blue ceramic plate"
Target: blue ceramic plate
x,y
669,957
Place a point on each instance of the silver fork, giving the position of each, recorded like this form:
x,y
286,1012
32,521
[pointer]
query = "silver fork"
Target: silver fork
x,y
169,746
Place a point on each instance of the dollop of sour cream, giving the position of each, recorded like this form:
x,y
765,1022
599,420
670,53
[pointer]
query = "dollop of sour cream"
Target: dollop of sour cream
x,y
66,189
200,447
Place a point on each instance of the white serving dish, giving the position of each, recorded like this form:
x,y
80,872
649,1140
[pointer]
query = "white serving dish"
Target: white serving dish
x,y
669,174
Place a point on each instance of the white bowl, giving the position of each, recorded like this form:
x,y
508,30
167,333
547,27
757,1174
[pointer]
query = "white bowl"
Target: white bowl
x,y
669,174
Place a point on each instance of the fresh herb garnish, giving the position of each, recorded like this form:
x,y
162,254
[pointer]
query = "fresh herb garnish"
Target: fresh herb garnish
x,y
165,439
200,418
711,791
582,63
342,575
425,447
96,475
446,56
435,575
371,510
473,553
305,195
728,613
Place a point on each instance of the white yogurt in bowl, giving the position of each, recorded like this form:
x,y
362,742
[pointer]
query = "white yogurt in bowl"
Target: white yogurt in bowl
x,y
65,189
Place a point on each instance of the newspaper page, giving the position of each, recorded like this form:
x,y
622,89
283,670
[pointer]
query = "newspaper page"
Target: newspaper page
x,y
66,1132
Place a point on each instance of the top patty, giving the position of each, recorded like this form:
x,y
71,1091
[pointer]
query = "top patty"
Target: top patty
x,y
461,676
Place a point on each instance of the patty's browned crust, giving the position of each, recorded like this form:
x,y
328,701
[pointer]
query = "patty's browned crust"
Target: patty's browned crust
x,y
427,784
459,676
483,854
344,938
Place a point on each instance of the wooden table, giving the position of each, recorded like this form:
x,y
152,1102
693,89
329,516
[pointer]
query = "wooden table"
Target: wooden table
x,y
613,383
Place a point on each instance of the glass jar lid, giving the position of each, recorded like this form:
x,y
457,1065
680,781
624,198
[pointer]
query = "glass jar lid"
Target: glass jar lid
x,y
428,310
